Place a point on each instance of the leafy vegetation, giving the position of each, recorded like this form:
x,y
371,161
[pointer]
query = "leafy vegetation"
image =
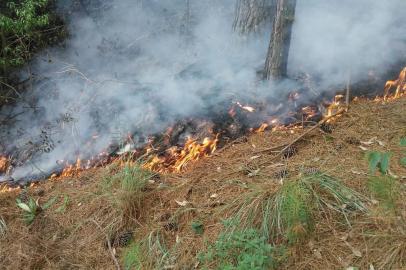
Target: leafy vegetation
x,y
32,208
241,250
378,160
26,26
383,187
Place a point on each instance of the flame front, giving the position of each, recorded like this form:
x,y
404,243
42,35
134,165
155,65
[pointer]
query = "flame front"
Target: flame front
x,y
399,85
175,160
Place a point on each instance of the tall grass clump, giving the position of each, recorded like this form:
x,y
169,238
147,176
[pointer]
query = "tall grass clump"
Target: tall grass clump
x,y
127,188
289,212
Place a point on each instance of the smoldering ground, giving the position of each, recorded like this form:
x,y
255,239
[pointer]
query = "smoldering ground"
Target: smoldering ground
x,y
137,67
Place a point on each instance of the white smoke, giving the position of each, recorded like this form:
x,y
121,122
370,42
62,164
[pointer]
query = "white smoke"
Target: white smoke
x,y
138,66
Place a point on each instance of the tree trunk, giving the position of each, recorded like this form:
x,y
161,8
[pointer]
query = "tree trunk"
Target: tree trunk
x,y
250,14
277,59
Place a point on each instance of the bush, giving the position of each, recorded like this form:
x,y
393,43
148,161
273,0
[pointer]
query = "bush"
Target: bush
x,y
26,26
241,250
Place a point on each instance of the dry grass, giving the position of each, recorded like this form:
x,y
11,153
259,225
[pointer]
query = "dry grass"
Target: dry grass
x,y
69,239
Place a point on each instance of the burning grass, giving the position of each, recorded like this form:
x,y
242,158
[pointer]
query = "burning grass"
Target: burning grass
x,y
324,213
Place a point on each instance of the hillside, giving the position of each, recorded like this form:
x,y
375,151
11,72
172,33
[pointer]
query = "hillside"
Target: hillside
x,y
166,221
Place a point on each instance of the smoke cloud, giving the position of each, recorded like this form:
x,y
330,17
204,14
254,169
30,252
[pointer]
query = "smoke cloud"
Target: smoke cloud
x,y
139,66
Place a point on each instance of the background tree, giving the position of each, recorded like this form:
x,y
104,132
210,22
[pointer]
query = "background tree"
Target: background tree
x,y
25,27
250,14
278,52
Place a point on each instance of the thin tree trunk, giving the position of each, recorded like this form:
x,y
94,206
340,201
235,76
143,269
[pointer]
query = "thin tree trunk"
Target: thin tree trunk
x,y
250,14
276,64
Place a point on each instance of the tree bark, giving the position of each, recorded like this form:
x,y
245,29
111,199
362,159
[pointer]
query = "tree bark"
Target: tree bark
x,y
276,64
250,14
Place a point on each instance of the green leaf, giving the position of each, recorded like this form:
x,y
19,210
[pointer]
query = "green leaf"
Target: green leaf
x,y
384,163
403,141
24,206
49,203
373,159
62,208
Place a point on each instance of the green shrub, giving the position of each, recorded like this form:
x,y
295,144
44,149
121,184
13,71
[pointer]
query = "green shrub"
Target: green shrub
x,y
241,250
26,26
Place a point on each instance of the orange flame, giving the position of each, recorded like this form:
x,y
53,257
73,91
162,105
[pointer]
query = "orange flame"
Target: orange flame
x,y
176,160
399,85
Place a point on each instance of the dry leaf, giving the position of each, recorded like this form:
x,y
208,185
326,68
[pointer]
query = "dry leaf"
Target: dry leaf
x,y
363,148
183,203
255,157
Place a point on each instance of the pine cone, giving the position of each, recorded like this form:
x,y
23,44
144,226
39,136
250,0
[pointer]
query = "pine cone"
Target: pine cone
x,y
289,152
327,128
123,239
281,174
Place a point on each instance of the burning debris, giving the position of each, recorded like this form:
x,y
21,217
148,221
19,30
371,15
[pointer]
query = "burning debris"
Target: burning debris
x,y
399,85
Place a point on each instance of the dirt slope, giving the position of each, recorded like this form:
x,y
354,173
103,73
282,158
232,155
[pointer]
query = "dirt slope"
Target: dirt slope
x,y
72,232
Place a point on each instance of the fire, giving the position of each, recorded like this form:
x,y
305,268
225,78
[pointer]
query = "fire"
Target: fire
x,y
399,85
337,104
262,128
177,159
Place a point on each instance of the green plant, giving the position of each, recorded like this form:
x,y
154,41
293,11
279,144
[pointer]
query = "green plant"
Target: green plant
x,y
129,183
132,257
378,160
385,189
293,205
241,250
289,212
32,208
62,208
19,28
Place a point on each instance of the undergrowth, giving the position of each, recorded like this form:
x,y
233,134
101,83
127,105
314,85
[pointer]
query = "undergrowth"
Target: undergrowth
x,y
241,250
289,213
127,187
383,186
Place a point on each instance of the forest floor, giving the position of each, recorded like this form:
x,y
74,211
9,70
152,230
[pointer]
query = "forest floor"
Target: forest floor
x,y
323,206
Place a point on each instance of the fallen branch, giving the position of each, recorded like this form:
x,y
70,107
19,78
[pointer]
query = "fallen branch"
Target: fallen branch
x,y
286,146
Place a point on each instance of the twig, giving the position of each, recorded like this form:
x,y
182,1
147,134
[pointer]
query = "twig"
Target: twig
x,y
301,136
108,244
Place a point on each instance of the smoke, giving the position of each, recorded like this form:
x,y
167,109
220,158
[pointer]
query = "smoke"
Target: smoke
x,y
137,67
